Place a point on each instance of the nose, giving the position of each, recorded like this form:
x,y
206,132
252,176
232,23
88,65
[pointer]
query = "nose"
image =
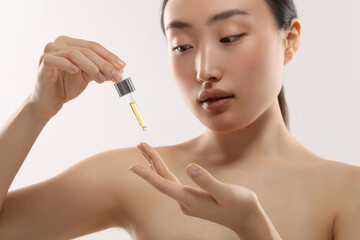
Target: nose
x,y
207,65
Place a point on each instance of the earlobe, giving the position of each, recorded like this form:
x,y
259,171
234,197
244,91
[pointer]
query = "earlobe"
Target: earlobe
x,y
292,40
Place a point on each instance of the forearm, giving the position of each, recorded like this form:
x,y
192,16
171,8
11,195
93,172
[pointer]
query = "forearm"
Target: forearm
x,y
259,227
17,136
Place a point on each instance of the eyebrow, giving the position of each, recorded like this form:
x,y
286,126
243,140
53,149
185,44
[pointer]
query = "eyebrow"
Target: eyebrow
x,y
217,17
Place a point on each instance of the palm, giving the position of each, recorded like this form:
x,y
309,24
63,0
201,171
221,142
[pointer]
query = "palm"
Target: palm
x,y
216,201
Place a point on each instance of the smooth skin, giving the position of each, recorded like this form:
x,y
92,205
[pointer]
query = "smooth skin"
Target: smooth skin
x,y
255,180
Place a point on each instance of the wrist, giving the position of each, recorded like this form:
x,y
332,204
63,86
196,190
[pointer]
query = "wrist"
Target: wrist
x,y
35,111
258,226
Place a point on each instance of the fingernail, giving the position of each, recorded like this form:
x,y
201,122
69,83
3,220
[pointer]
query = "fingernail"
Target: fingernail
x,y
119,61
74,68
116,75
121,73
193,171
100,77
140,147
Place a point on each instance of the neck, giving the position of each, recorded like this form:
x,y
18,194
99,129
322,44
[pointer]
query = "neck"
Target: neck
x,y
266,138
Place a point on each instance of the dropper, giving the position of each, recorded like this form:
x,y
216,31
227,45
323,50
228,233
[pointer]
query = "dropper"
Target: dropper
x,y
124,88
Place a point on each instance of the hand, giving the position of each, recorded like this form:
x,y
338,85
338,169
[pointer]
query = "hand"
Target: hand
x,y
66,67
230,205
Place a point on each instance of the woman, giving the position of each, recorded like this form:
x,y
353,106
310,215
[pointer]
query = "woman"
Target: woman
x,y
246,177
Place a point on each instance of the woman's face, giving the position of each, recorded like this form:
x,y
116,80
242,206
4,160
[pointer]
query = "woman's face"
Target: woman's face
x,y
228,67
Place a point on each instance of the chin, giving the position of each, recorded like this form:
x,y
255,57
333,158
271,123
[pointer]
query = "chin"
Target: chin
x,y
224,122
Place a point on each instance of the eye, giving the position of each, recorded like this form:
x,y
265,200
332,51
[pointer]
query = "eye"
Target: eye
x,y
232,38
182,48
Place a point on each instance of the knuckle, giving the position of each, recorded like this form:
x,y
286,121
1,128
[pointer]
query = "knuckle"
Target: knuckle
x,y
87,51
107,68
45,59
61,38
95,70
92,45
48,47
73,53
97,46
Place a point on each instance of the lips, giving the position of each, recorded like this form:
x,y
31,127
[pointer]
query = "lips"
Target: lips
x,y
213,95
215,99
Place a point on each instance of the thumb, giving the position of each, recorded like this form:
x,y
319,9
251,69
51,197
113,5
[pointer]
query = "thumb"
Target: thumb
x,y
205,180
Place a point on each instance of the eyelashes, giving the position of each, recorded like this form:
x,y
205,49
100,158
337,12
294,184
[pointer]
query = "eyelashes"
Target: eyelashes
x,y
231,39
182,48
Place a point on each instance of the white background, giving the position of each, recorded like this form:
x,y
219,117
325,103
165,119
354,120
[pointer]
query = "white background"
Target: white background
x,y
321,84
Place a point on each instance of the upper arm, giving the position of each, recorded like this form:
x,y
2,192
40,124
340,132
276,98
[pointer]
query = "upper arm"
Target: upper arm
x,y
76,202
347,220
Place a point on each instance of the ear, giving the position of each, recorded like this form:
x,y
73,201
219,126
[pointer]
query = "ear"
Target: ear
x,y
292,40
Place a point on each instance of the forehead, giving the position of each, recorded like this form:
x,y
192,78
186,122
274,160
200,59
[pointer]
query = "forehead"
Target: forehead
x,y
199,11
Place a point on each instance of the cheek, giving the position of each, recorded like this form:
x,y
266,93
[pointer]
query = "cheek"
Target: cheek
x,y
259,71
183,77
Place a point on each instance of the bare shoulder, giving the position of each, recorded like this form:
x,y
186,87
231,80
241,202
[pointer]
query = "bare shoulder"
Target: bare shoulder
x,y
336,176
342,180
344,175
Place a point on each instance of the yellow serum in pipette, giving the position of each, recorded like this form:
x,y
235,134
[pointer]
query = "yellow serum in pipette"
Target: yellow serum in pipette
x,y
138,115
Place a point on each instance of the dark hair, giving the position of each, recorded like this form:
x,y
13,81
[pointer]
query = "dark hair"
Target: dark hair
x,y
283,11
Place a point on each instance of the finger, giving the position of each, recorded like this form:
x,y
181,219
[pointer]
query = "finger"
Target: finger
x,y
194,199
83,63
86,77
96,47
50,48
163,185
155,159
151,166
108,69
105,67
55,62
206,181
197,199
